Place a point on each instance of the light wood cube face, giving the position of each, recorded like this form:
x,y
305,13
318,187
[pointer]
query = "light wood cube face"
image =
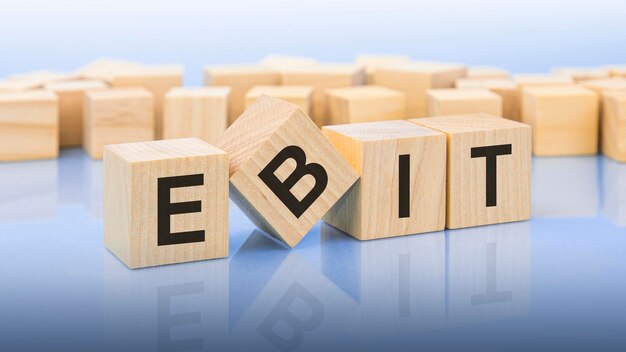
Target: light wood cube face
x,y
488,169
487,72
280,62
240,79
371,62
564,120
605,85
403,179
284,174
415,78
114,116
298,95
445,102
165,202
29,126
505,88
196,112
614,125
322,77
579,74
364,104
71,95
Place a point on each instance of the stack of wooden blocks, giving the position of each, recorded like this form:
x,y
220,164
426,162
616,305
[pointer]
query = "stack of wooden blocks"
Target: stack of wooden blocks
x,y
382,147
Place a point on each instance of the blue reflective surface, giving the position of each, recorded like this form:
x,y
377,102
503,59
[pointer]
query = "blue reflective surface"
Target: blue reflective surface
x,y
557,282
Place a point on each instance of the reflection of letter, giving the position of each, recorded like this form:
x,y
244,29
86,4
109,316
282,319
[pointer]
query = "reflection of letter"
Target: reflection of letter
x,y
167,320
298,326
404,289
491,295
166,209
491,153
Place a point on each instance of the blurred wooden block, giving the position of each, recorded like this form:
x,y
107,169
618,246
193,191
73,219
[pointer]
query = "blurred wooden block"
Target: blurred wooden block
x,y
617,70
605,85
105,68
284,174
165,202
445,102
371,62
487,72
37,79
564,120
196,112
537,80
614,125
298,95
240,79
415,78
157,79
579,74
488,169
71,95
29,126
279,62
364,104
402,189
119,115
505,88
322,77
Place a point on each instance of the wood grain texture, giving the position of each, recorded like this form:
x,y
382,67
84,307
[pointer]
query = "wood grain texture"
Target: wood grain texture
x,y
131,174
158,79
614,125
415,78
505,88
445,102
240,79
263,130
467,176
301,96
364,104
564,120
487,72
196,112
71,95
580,74
29,125
321,77
120,115
372,61
371,208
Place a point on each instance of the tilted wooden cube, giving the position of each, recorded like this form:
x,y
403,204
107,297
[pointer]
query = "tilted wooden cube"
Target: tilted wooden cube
x,y
415,78
487,72
445,102
113,116
240,79
158,79
614,125
505,88
71,95
299,95
488,169
564,120
402,189
371,62
579,74
196,112
322,77
284,174
165,202
364,104
29,125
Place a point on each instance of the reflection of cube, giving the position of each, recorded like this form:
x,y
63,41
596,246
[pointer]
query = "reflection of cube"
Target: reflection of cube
x,y
28,190
564,120
505,88
297,95
402,186
364,104
614,125
29,125
614,191
445,102
487,72
165,202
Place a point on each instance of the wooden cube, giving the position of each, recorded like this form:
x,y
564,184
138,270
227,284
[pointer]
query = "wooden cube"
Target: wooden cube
x,y
37,79
280,62
240,79
402,189
196,112
505,88
579,74
488,169
445,102
415,78
487,72
165,202
614,125
104,69
537,80
605,85
71,95
119,115
158,80
564,120
371,62
364,104
298,95
283,173
29,125
617,70
322,77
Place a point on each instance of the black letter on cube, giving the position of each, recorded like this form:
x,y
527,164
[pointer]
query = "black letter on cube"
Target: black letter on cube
x,y
404,186
166,209
282,190
491,153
